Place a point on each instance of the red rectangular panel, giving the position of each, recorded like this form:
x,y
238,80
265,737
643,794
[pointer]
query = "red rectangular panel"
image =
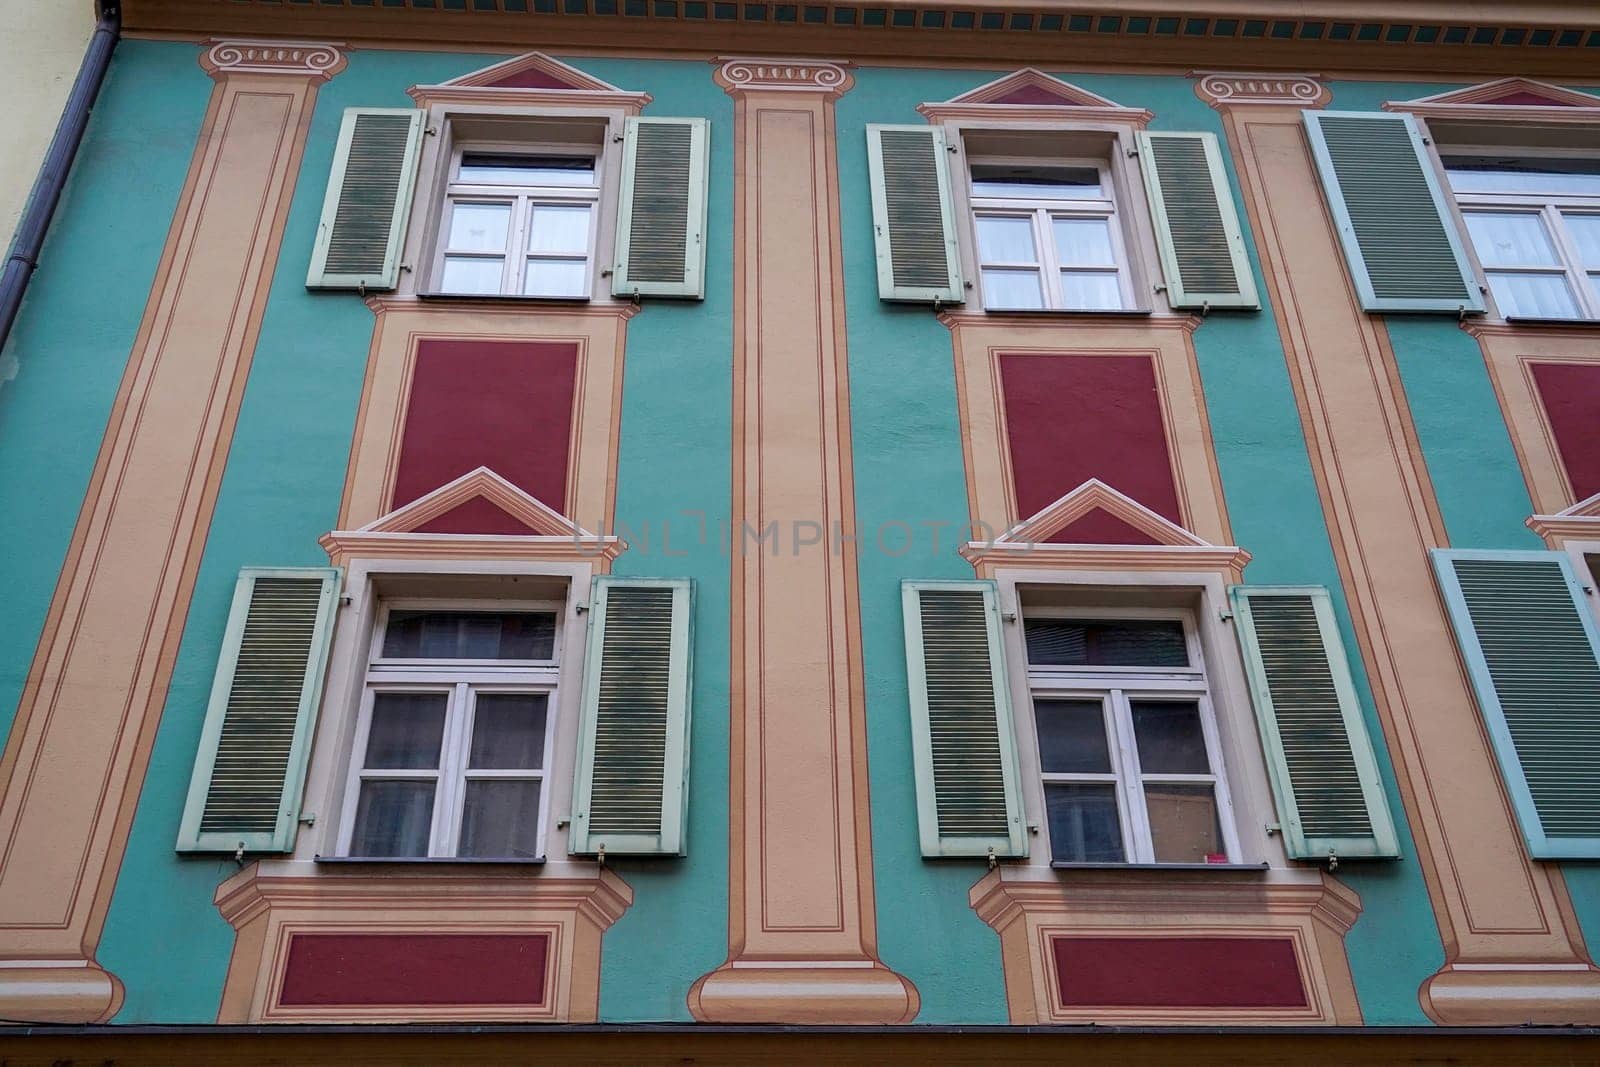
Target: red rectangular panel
x,y
1571,396
372,970
1178,972
505,405
1072,418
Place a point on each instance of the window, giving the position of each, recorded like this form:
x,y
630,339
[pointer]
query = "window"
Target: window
x,y
1048,235
1535,223
1128,746
520,223
452,749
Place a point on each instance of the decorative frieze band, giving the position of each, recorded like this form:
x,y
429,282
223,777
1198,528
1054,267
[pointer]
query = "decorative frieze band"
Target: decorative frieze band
x,y
303,58
738,75
1300,90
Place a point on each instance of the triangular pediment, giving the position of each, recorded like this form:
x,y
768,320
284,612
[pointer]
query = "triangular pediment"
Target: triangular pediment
x,y
1095,513
1029,86
1584,509
1580,522
535,70
1510,92
478,502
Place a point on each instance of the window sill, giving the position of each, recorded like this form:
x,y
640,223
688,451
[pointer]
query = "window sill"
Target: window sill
x,y
471,861
504,298
1069,866
1529,320
1071,312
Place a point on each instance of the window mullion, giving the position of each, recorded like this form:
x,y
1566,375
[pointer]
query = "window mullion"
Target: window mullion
x,y
1577,272
1136,821
452,761
517,254
1049,261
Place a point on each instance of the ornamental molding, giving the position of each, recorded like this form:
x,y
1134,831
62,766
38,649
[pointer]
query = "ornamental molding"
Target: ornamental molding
x,y
306,59
1580,522
739,75
1222,89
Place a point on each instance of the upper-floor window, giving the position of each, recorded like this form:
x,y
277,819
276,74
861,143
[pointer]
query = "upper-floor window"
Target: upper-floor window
x,y
1128,747
1048,235
452,746
1535,224
520,223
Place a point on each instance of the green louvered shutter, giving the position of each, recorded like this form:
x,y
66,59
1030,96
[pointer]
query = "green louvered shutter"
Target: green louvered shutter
x,y
661,222
1531,648
1394,222
969,796
364,213
630,793
1319,754
245,791
1203,257
913,217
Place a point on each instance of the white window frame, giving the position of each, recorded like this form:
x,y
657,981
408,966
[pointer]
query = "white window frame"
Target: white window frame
x,y
461,680
1551,209
1042,212
522,199
1116,688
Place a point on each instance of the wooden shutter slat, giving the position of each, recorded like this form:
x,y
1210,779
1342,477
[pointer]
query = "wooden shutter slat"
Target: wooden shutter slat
x,y
969,796
1533,652
245,790
913,215
630,788
1203,256
661,219
368,202
1320,757
1395,226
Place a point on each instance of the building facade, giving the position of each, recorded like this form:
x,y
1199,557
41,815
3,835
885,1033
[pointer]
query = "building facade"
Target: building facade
x,y
811,514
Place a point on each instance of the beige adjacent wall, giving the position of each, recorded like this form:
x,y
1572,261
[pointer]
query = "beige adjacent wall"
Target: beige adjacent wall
x,y
41,45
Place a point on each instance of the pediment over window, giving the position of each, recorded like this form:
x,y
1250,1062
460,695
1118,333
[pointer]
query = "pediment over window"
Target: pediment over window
x,y
1530,99
1033,93
480,515
1096,527
1580,522
530,79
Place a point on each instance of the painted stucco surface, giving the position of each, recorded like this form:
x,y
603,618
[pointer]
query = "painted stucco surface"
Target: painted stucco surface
x,y
282,486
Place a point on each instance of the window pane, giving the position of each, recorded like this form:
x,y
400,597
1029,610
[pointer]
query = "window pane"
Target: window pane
x,y
1183,823
556,277
1106,643
393,819
1087,290
479,227
1084,827
488,168
470,635
559,229
1585,230
1022,181
1084,242
406,732
1011,289
472,274
1169,737
1533,296
1480,174
508,731
500,819
1072,737
1005,240
1510,239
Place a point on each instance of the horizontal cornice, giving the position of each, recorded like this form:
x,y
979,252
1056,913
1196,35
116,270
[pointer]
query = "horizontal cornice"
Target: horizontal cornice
x,y
1424,37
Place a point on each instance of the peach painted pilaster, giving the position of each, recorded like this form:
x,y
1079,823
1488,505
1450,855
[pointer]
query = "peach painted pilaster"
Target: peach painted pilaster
x,y
802,938
73,767
1513,949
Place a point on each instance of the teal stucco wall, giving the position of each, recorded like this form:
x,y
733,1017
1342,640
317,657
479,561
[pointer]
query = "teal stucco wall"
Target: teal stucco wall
x,y
282,486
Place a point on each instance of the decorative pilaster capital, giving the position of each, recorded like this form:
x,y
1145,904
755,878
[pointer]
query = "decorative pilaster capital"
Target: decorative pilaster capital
x,y
1221,89
318,60
742,74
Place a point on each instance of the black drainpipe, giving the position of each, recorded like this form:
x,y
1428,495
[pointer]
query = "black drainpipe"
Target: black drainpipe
x,y
52,177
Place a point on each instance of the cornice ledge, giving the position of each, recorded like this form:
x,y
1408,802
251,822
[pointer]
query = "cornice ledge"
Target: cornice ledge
x,y
1056,320
1579,328
631,103
382,303
1231,89
742,74
319,60
1036,114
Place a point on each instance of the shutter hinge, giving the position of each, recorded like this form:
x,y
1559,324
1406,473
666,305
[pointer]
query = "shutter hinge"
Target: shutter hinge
x,y
1225,615
618,138
308,819
600,854
580,608
430,131
1274,828
1008,616
994,861
1333,861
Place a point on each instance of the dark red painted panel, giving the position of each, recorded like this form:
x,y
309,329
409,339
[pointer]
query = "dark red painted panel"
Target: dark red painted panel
x,y
1032,94
476,516
1528,98
1100,527
1072,418
531,79
1571,396
1178,972
402,969
505,405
